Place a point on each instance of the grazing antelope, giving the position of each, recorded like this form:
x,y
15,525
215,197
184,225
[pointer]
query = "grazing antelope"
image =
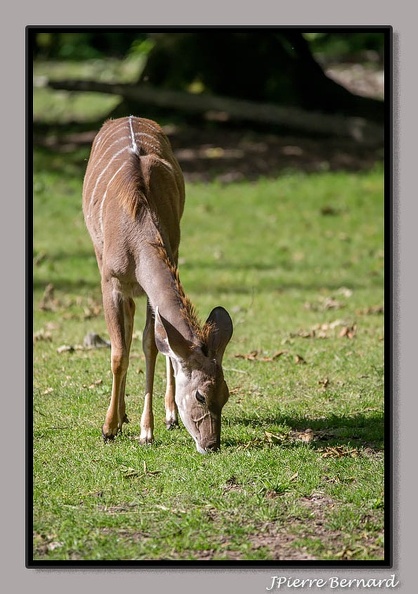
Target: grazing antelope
x,y
133,199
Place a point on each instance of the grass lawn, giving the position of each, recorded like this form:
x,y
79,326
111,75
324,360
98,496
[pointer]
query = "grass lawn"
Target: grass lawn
x,y
298,262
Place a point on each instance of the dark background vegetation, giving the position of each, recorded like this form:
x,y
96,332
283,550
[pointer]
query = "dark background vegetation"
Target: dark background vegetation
x,y
333,72
274,65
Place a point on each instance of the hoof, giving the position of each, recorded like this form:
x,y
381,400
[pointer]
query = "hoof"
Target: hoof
x,y
146,438
125,419
145,441
172,425
107,438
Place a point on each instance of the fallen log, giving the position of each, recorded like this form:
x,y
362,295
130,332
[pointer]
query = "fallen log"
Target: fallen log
x,y
355,128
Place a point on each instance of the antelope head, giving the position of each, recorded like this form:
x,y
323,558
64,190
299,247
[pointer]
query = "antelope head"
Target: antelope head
x,y
201,390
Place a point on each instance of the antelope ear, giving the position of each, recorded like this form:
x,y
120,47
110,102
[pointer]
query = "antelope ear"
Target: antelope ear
x,y
220,324
169,341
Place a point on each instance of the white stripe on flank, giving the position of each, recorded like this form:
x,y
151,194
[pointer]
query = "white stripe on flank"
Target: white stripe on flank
x,y
126,148
151,125
105,194
111,130
100,159
153,144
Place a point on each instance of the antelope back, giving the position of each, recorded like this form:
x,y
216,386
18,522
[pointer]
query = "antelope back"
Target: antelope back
x,y
132,171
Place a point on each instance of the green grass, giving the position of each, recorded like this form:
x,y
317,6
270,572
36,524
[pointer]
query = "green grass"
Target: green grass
x,y
292,279
63,106
298,262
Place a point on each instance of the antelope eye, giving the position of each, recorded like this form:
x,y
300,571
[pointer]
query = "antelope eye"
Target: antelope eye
x,y
200,398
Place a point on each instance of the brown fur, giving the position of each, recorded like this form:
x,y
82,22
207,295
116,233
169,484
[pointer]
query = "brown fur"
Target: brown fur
x,y
187,309
129,187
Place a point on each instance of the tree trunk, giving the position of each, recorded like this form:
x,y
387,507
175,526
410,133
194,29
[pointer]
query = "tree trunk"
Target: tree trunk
x,y
272,66
225,108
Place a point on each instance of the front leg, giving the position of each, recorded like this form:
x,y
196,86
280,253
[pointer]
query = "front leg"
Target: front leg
x,y
171,414
150,352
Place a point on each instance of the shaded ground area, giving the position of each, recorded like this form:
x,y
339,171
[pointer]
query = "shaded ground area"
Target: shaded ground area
x,y
229,155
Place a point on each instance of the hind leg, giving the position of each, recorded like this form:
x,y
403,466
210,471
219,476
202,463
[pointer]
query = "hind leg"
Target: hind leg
x,y
115,308
129,314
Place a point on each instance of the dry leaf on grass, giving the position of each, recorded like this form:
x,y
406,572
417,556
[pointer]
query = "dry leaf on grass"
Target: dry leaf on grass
x,y
92,310
348,331
276,438
54,545
338,452
48,301
324,383
324,303
129,472
373,310
306,436
249,356
326,330
254,356
65,348
42,335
